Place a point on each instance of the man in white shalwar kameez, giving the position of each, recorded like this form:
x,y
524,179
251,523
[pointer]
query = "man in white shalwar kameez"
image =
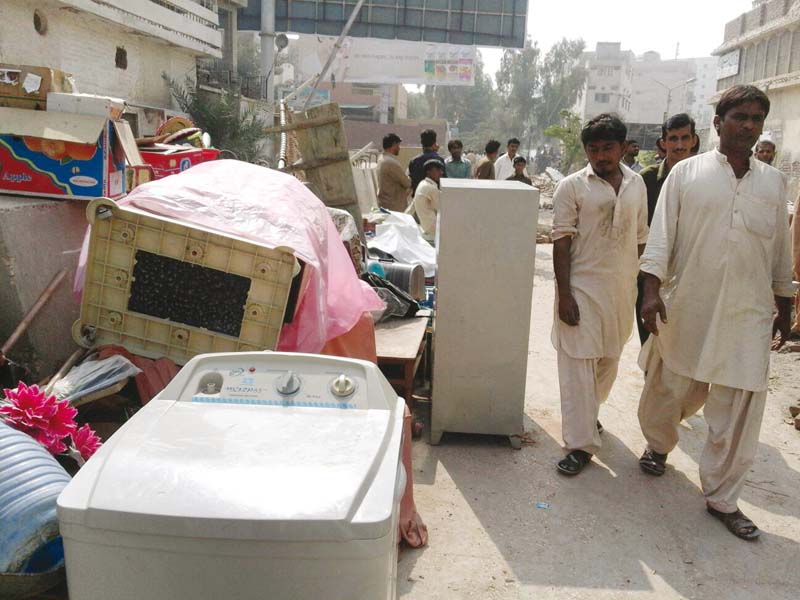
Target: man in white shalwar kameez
x,y
718,260
599,230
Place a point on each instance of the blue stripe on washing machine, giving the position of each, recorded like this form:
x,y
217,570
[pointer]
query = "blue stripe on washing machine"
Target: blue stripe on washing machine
x,y
284,403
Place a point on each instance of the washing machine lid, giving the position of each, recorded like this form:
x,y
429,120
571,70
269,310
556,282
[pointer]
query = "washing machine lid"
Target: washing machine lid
x,y
243,472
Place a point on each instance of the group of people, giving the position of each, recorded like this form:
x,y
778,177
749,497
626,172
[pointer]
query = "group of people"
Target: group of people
x,y
707,240
416,189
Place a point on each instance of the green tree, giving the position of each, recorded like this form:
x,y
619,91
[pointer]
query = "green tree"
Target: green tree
x,y
569,133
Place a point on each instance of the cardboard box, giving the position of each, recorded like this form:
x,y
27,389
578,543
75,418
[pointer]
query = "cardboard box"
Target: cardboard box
x,y
168,159
58,155
22,86
86,104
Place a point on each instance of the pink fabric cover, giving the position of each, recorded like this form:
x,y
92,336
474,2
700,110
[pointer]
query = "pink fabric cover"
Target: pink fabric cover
x,y
274,209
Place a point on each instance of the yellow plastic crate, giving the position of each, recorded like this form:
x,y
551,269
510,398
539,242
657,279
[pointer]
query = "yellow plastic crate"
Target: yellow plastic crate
x,y
161,288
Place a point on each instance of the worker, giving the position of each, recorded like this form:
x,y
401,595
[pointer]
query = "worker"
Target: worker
x,y
394,186
485,168
426,198
678,138
599,230
720,248
519,171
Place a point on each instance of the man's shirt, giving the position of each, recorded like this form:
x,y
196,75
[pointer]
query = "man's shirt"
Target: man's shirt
x,y
654,177
416,168
458,169
485,169
394,186
504,167
721,248
426,205
520,178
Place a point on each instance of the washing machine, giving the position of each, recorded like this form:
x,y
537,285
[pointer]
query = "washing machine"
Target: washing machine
x,y
251,476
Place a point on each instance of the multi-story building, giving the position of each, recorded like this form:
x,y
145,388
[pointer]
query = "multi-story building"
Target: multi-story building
x,y
609,81
762,47
117,48
703,89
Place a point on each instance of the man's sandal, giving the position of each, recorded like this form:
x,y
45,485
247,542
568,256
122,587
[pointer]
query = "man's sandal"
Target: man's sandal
x,y
600,428
653,463
574,462
737,523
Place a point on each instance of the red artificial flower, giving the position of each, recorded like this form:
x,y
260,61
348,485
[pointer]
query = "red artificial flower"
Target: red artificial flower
x,y
86,441
44,418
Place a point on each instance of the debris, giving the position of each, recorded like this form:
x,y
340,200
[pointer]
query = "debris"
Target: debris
x,y
544,505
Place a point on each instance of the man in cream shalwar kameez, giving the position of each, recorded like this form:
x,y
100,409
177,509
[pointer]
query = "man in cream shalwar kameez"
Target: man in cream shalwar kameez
x,y
601,228
720,251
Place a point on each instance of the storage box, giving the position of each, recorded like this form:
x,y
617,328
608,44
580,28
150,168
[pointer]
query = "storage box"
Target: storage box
x,y
162,288
22,86
169,159
86,104
59,155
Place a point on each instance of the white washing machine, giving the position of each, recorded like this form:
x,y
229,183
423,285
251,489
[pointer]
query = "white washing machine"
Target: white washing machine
x,y
251,476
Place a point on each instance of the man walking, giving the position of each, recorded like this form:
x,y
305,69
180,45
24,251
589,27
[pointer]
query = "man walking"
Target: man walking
x,y
416,168
504,166
485,168
765,151
394,186
678,137
720,249
631,154
599,230
426,198
519,171
456,166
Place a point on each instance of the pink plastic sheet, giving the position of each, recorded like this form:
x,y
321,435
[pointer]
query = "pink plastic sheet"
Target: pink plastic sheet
x,y
273,209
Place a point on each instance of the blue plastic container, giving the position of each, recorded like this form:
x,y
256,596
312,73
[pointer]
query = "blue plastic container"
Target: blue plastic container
x,y
30,482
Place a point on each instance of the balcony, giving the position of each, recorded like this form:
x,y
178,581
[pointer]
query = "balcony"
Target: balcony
x,y
189,24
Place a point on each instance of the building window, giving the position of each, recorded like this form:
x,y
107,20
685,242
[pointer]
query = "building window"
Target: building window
x,y
121,58
39,22
366,90
602,98
606,71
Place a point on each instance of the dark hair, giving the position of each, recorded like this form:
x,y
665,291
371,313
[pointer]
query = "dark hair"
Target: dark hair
x,y
454,144
766,142
492,146
604,128
696,148
678,121
520,159
427,138
390,140
431,164
740,94
513,141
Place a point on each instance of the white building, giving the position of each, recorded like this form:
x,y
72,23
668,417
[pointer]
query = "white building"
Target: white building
x,y
609,82
117,48
703,90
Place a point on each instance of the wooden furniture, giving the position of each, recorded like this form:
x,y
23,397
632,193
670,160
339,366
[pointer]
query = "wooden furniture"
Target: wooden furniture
x,y
400,347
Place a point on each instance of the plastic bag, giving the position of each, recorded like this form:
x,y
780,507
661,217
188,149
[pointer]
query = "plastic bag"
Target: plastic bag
x,y
93,376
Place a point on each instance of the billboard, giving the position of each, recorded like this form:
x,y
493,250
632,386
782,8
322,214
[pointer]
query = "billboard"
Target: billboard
x,y
729,64
367,60
463,22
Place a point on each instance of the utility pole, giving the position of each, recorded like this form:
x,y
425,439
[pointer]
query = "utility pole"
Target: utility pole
x,y
268,48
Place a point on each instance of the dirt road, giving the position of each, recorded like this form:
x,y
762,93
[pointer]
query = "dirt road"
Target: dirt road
x,y
612,532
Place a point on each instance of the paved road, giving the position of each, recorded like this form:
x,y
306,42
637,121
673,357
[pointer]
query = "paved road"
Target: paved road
x,y
613,532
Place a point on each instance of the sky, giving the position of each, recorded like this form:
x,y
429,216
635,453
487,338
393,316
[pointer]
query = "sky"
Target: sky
x,y
640,25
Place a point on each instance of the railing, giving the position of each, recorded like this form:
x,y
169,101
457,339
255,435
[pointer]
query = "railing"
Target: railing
x,y
214,74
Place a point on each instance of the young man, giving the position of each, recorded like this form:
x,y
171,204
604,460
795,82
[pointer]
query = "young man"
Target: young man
x,y
519,171
394,186
456,166
426,198
504,166
765,151
678,137
416,168
720,248
599,230
631,152
485,168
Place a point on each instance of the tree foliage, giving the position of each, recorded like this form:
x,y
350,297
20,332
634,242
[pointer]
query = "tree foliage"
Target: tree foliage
x,y
239,131
569,133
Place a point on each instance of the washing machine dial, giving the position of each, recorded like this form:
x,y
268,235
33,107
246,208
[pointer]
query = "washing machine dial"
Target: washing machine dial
x,y
343,386
288,384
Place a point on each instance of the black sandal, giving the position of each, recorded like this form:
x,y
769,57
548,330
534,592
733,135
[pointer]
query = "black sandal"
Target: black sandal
x,y
653,463
600,428
574,462
737,523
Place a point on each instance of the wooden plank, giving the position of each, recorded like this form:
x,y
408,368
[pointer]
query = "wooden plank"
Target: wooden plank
x,y
400,339
317,163
301,125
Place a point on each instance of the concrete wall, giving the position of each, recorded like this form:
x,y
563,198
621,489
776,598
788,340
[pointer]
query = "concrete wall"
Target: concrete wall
x,y
37,239
86,46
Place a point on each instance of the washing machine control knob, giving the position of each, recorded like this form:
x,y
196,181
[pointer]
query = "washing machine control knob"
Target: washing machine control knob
x,y
343,386
288,384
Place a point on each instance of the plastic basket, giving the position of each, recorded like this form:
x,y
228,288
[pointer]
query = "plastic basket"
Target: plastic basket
x,y
162,288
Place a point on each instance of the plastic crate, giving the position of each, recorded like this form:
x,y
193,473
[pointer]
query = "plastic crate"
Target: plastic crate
x,y
161,288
